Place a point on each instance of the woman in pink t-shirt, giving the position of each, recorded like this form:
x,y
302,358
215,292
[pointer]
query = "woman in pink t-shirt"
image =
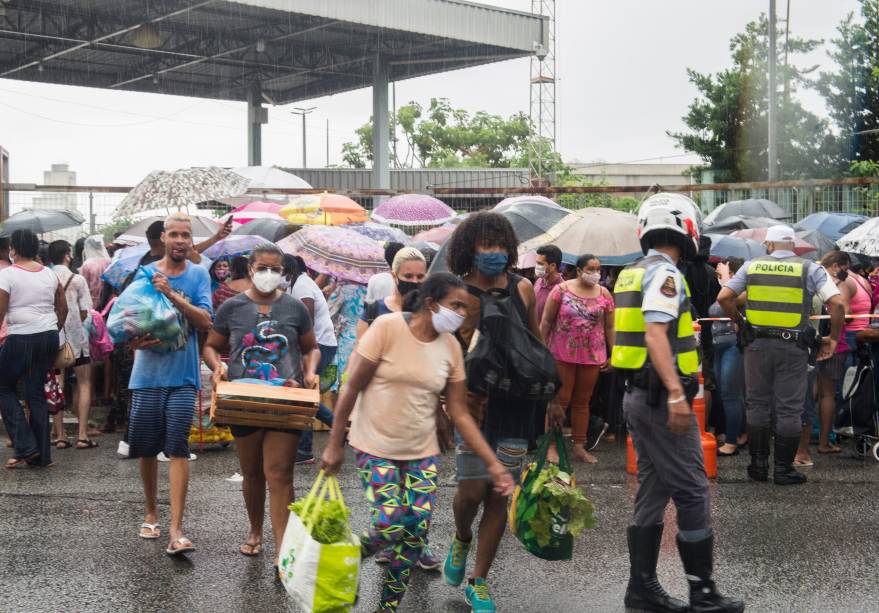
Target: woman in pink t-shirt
x,y
578,328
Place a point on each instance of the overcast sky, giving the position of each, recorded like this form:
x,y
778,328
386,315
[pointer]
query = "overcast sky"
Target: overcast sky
x,y
621,84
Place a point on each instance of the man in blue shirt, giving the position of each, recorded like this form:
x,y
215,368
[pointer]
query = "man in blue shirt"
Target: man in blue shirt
x,y
164,385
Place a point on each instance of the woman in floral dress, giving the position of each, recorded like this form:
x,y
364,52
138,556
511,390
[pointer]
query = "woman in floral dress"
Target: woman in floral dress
x,y
579,330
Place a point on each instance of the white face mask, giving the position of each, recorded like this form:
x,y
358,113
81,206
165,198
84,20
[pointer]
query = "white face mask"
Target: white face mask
x,y
540,271
590,278
266,281
445,320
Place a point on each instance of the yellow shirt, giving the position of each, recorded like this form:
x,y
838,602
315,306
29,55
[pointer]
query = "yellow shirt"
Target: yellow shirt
x,y
395,416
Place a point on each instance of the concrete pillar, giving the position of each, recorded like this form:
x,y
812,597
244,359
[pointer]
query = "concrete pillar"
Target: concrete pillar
x,y
256,116
381,172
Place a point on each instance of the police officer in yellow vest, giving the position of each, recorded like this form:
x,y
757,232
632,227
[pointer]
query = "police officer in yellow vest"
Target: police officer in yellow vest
x,y
656,348
778,302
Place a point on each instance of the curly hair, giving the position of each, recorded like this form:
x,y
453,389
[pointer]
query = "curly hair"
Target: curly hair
x,y
485,229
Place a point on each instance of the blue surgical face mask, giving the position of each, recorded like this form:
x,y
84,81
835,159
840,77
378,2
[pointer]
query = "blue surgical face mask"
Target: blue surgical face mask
x,y
491,264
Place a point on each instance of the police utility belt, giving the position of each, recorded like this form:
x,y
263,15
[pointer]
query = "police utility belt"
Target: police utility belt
x,y
647,379
806,338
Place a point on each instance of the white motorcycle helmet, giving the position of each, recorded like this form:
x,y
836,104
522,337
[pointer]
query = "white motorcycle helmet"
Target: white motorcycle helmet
x,y
675,216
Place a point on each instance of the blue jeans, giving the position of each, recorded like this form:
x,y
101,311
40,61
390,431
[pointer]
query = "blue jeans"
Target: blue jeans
x,y
28,357
729,372
306,448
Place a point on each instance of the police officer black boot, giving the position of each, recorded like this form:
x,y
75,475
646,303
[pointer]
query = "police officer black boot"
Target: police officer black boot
x,y
758,444
785,451
698,559
644,591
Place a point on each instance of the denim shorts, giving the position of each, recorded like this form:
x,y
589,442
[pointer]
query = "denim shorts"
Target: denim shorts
x,y
511,452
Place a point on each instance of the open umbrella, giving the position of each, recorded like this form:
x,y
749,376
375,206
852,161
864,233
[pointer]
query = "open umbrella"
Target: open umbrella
x,y
830,224
270,177
179,189
40,221
202,228
609,234
437,236
411,210
326,209
759,234
815,238
258,209
506,203
864,239
724,246
379,232
729,225
340,253
232,246
530,217
272,230
124,262
752,207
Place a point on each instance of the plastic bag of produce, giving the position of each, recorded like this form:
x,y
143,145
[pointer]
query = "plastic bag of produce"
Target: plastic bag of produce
x,y
548,508
141,309
320,556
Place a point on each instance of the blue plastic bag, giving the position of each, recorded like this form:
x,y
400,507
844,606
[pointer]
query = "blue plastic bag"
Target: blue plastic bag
x,y
140,310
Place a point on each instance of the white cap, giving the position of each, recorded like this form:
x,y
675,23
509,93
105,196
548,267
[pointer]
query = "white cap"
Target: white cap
x,y
779,234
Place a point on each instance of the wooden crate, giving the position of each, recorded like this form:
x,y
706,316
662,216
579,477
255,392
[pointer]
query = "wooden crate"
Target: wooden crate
x,y
264,406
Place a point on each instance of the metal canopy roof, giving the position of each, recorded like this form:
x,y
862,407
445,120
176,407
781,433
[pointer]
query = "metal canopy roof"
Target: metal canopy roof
x,y
294,49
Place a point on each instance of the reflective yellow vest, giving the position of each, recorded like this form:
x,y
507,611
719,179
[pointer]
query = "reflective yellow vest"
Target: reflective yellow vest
x,y
777,296
630,349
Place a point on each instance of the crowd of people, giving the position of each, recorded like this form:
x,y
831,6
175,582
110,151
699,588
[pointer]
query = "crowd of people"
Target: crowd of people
x,y
394,352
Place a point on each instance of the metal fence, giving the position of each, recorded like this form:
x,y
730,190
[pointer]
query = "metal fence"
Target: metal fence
x,y
800,198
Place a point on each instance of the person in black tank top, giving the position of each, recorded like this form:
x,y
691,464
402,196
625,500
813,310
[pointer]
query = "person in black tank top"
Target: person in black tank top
x,y
481,251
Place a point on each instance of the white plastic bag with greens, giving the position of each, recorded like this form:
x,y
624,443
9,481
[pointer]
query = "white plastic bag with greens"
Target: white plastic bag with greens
x,y
320,556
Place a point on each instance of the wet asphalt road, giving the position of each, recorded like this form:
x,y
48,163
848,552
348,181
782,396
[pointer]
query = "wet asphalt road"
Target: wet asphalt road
x,y
68,537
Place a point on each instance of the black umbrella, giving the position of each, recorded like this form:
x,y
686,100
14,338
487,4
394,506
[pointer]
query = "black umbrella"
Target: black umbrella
x,y
532,218
270,229
752,207
818,240
739,222
723,247
40,221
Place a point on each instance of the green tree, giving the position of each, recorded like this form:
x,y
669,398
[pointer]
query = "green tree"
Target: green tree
x,y
851,92
727,123
441,136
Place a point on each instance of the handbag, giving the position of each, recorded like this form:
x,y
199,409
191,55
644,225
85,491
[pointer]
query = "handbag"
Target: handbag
x,y
65,358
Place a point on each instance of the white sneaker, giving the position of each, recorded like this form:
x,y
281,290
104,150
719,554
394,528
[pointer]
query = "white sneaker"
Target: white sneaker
x,y
163,458
122,449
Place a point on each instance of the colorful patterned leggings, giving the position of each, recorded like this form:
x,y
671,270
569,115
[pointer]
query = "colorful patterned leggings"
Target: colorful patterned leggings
x,y
402,494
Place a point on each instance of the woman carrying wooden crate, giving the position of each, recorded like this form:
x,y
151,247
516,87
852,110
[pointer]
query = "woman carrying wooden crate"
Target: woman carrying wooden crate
x,y
269,337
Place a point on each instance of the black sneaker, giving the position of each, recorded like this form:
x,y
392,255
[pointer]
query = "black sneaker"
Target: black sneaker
x,y
596,431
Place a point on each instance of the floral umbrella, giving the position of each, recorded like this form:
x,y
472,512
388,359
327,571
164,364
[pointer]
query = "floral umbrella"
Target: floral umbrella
x,y
179,189
257,209
337,252
202,229
379,232
326,209
233,245
437,236
413,210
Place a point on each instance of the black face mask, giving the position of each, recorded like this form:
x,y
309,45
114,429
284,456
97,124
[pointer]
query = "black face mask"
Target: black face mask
x,y
842,275
407,286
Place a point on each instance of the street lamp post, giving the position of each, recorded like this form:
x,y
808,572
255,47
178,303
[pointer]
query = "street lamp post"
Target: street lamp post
x,y
301,111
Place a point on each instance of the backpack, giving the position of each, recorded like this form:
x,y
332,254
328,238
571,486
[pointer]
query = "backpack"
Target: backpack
x,y
855,412
370,310
100,345
508,361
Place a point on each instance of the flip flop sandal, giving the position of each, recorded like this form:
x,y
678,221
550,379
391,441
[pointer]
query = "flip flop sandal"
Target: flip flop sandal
x,y
176,551
830,451
14,463
154,531
803,463
255,549
62,443
85,443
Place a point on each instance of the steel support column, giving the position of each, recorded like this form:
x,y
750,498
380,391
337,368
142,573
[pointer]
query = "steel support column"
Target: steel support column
x,y
381,172
256,116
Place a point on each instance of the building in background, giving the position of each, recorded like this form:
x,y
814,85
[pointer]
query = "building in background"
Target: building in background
x,y
624,175
59,174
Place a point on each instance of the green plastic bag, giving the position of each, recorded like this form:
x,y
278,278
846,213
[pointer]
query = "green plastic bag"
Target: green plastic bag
x,y
321,577
547,508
